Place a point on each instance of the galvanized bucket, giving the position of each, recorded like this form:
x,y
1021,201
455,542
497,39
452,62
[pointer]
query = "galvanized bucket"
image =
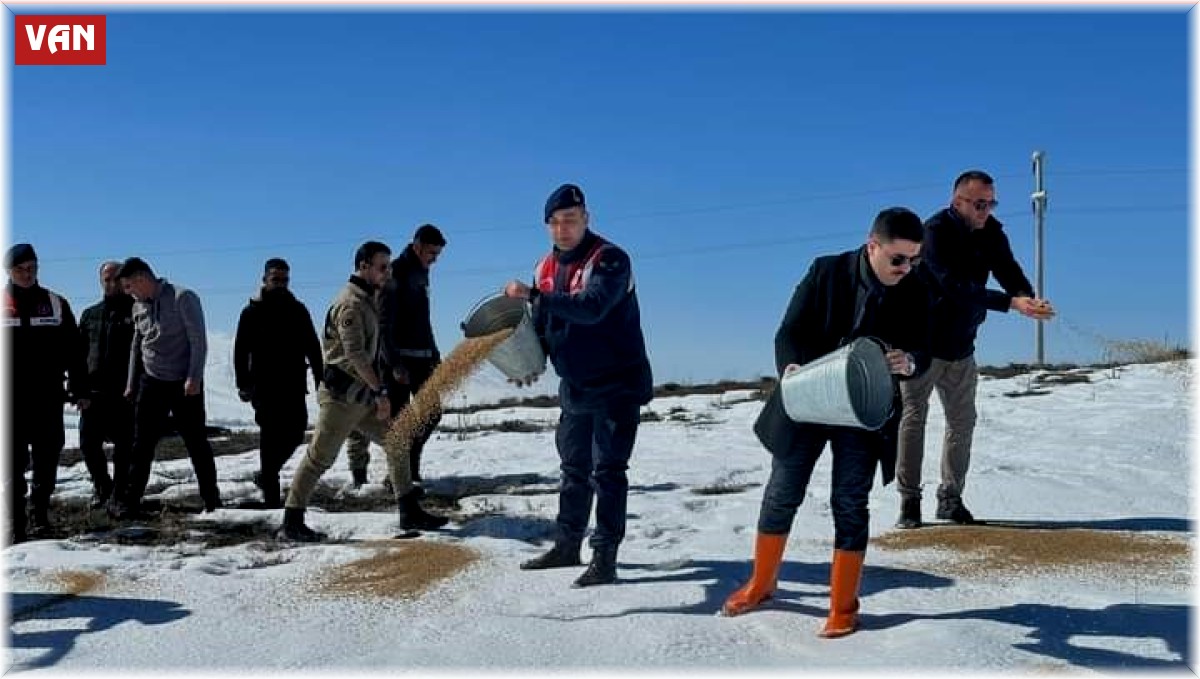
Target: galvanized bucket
x,y
850,387
519,356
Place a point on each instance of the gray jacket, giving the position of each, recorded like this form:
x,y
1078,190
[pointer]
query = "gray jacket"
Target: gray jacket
x,y
168,336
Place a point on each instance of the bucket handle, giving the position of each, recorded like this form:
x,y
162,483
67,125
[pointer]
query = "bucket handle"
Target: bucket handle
x,y
883,345
475,307
793,367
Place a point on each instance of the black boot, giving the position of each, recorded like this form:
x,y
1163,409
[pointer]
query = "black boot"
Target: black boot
x,y
125,509
414,517
17,517
39,521
212,500
16,534
293,527
601,571
359,477
910,513
269,485
953,509
101,491
561,555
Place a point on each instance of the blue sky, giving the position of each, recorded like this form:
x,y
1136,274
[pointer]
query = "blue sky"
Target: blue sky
x,y
723,150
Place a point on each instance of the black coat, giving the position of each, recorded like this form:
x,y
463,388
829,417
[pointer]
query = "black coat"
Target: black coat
x,y
43,345
594,336
405,330
827,311
955,263
275,339
106,330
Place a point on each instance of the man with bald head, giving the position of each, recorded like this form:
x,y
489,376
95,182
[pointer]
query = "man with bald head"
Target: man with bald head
x,y
106,333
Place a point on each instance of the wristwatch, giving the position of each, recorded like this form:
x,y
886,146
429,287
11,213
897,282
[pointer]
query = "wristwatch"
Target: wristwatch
x,y
912,365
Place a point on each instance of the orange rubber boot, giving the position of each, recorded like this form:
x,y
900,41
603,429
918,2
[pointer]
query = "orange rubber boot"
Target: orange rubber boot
x,y
844,578
768,555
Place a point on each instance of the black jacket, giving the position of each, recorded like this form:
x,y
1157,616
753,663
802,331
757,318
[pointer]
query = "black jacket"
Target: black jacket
x,y
44,346
106,331
594,336
275,338
829,309
955,263
405,330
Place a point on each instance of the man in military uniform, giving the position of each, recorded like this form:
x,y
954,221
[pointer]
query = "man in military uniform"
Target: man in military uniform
x,y
353,396
43,342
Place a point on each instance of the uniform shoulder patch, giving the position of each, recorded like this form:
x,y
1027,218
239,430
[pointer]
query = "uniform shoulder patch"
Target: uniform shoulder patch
x,y
610,260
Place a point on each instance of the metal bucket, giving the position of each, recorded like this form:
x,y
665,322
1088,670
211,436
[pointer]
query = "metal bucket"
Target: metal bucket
x,y
521,354
850,387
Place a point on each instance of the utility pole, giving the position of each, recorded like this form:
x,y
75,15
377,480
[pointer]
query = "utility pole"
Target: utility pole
x,y
1039,253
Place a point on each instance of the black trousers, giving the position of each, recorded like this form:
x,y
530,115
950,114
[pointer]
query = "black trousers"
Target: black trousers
x,y
419,370
282,420
853,473
594,449
36,436
156,399
109,418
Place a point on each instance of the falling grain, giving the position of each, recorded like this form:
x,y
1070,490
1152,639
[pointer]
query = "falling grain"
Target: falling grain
x,y
426,404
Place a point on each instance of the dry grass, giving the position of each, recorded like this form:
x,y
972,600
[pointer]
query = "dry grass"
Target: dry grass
x,y
426,404
404,570
992,550
1144,351
78,582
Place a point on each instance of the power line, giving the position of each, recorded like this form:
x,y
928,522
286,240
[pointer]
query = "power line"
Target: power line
x,y
676,253
811,198
1120,171
499,270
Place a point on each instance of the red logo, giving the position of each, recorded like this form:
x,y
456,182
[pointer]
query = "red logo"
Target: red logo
x,y
60,40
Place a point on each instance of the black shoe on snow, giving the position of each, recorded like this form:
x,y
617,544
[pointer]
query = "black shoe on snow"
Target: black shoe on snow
x,y
414,517
100,494
910,513
601,571
293,528
559,556
953,509
39,524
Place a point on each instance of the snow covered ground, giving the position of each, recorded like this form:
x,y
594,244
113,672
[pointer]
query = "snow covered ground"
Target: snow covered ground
x,y
1109,457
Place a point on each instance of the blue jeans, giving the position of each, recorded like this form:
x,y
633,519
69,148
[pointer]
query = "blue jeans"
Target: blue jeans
x,y
853,474
594,449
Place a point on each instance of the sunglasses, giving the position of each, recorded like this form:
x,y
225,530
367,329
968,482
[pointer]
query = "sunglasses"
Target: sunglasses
x,y
981,204
901,260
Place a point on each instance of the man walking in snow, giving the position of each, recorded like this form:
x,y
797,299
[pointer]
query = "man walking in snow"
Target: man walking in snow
x,y
865,292
274,349
585,310
408,352
964,244
353,396
166,378
106,329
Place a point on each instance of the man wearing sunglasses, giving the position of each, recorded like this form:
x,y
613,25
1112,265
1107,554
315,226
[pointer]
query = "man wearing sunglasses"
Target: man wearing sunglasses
x,y
353,396
964,245
865,292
